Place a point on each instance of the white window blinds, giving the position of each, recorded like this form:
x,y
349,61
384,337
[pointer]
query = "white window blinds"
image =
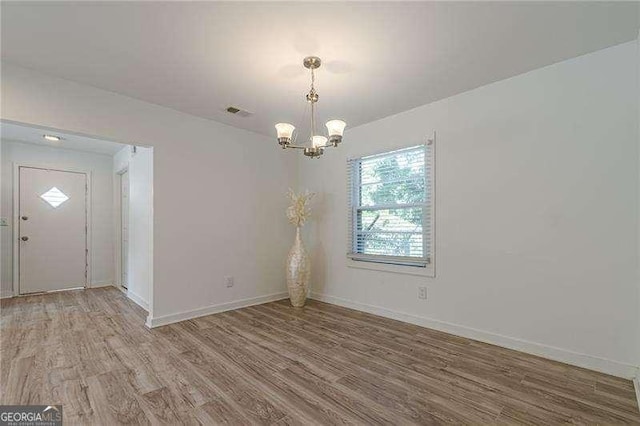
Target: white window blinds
x,y
390,207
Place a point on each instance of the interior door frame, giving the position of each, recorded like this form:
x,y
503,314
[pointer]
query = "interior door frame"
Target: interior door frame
x,y
16,219
118,219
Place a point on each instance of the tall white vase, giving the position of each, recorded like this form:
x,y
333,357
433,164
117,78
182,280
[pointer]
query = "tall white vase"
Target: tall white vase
x,y
298,270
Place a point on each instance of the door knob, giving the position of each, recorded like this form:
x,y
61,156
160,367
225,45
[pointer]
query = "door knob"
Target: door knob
x,y
24,238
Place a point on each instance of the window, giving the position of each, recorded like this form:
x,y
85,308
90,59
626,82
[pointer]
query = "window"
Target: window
x,y
54,197
391,207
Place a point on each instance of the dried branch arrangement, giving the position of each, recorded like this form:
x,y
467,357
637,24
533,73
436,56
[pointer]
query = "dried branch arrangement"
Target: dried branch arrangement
x,y
299,211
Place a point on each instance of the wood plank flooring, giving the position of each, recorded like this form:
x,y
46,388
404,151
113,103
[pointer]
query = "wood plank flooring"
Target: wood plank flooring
x,y
273,364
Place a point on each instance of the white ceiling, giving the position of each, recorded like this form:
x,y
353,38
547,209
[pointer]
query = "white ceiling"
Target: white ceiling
x,y
34,135
379,58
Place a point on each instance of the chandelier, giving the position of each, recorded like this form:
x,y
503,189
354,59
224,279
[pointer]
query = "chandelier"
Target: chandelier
x,y
335,128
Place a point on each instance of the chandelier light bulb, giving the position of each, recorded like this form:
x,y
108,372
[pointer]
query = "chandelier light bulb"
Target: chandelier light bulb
x,y
318,141
335,127
285,130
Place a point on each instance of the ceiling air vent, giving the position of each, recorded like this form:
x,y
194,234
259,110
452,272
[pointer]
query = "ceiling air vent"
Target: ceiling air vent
x,y
238,111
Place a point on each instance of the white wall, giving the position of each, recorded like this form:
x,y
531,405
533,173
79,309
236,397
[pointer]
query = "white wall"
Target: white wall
x,y
218,196
537,213
101,250
638,276
140,168
537,205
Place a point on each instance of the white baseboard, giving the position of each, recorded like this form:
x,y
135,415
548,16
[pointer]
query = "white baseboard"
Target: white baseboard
x,y
214,309
636,386
97,284
590,362
138,300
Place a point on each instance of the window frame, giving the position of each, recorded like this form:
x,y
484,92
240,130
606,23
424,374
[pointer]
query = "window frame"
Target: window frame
x,y
399,264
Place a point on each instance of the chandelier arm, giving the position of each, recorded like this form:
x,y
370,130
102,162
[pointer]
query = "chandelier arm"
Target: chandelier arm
x,y
302,118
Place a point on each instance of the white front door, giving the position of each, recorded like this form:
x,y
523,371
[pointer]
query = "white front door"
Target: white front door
x,y
52,234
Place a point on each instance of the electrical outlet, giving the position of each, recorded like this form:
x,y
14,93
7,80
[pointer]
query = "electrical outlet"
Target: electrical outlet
x,y
422,293
228,281
4,221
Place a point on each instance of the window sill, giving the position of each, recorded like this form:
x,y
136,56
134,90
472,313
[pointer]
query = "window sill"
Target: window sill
x,y
428,271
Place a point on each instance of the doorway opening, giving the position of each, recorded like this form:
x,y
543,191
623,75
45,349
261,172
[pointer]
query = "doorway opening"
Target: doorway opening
x,y
76,213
